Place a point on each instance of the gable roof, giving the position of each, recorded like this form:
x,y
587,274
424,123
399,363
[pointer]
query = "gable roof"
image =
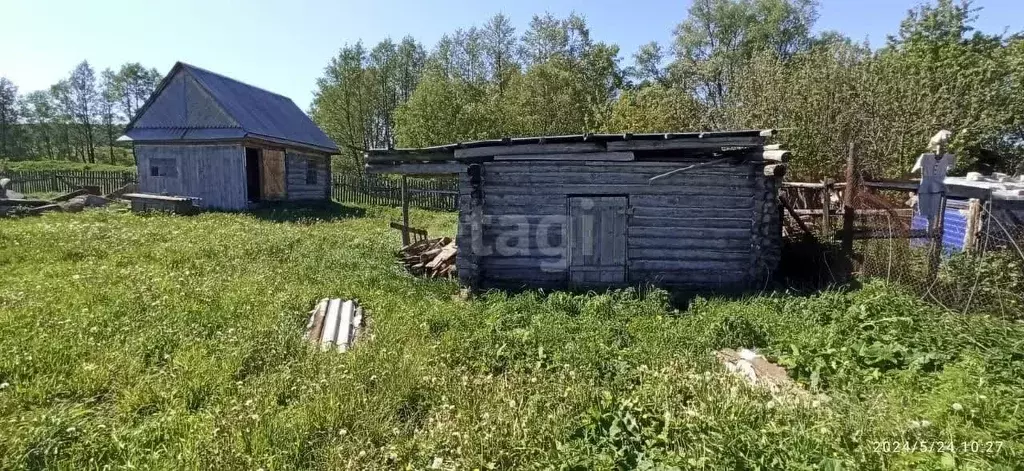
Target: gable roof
x,y
195,104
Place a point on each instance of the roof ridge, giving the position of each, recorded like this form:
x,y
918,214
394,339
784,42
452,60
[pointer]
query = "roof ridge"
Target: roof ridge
x,y
186,65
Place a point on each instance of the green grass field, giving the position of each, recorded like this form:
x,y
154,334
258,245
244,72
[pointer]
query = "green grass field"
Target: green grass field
x,y
175,343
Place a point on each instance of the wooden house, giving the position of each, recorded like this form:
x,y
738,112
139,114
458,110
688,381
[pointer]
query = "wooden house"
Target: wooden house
x,y
693,210
227,144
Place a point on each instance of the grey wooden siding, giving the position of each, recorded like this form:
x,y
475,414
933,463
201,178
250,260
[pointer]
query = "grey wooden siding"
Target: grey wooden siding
x,y
699,228
296,165
213,173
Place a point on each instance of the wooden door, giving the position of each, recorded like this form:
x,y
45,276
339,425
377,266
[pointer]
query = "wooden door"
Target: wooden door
x,y
272,174
597,240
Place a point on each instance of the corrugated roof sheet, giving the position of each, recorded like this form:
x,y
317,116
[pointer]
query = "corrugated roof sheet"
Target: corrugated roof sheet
x,y
258,112
512,141
261,112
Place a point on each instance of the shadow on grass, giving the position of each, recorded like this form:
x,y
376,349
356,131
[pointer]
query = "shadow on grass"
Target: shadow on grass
x,y
807,269
306,213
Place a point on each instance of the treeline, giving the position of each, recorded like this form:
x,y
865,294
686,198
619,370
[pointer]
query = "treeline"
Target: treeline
x,y
732,64
78,118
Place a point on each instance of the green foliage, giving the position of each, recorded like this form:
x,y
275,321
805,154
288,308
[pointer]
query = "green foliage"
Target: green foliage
x,y
735,64
175,342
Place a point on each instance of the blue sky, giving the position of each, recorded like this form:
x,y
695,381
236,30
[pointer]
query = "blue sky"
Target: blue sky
x,y
283,46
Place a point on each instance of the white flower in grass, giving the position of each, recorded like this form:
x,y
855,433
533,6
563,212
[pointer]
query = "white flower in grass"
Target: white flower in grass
x,y
5,385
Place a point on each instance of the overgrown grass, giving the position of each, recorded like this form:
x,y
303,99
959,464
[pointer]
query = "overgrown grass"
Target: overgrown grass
x,y
174,342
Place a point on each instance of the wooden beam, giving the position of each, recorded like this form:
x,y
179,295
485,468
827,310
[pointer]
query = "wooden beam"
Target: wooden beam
x,y
691,167
849,199
442,168
807,232
826,203
405,210
774,155
414,156
586,156
775,170
706,143
490,151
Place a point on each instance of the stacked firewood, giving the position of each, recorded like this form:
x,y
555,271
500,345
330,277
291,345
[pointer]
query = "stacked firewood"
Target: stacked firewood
x,y
433,258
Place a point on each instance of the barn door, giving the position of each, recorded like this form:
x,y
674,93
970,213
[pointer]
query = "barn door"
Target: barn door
x,y
272,173
597,240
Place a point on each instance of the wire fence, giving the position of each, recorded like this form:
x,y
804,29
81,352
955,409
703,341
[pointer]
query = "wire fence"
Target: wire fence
x,y
972,262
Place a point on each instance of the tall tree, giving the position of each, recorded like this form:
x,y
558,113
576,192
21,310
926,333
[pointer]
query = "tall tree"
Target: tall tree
x,y
719,36
8,114
647,64
134,84
85,99
39,113
64,120
343,103
500,44
109,97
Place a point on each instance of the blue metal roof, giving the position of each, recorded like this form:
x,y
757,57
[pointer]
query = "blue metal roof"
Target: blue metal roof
x,y
257,112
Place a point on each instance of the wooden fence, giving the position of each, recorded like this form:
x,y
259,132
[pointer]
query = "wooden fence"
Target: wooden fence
x,y
63,181
438,194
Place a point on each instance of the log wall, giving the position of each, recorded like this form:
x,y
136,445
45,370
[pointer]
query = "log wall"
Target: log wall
x,y
713,227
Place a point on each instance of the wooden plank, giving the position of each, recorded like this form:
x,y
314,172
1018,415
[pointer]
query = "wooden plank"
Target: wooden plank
x,y
272,174
681,201
520,149
691,278
551,177
613,189
686,222
590,156
694,233
679,265
540,263
697,255
639,167
691,212
529,276
443,168
315,328
705,143
689,243
385,157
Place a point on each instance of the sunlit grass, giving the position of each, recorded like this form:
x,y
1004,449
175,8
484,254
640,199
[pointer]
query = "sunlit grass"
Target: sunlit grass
x,y
174,342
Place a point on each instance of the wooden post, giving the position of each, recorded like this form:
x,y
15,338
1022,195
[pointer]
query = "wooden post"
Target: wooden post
x,y
405,211
849,199
936,235
826,212
973,225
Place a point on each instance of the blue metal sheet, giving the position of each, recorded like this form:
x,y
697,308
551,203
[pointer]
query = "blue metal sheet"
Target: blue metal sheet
x,y
954,227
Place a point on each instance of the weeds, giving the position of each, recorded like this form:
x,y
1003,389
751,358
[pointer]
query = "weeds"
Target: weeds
x,y
174,342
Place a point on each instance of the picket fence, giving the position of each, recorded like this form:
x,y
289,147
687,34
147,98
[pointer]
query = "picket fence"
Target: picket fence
x,y
63,181
439,194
